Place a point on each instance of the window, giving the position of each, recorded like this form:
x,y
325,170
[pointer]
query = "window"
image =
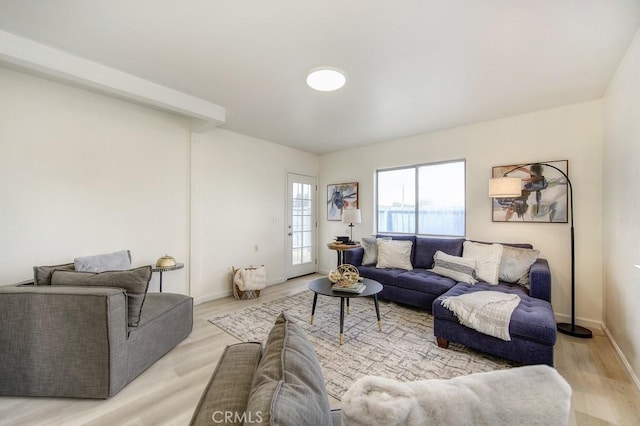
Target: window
x,y
429,198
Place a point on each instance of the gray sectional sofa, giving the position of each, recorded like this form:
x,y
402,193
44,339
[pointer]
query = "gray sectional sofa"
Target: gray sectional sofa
x,y
532,327
80,341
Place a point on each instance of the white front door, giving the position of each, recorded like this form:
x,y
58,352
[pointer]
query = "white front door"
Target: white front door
x,y
301,225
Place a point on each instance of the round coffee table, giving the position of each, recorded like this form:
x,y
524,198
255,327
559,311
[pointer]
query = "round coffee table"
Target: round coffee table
x,y
323,286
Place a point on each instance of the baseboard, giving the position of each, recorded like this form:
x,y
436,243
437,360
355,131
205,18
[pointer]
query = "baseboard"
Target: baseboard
x,y
228,293
276,281
585,322
213,296
626,364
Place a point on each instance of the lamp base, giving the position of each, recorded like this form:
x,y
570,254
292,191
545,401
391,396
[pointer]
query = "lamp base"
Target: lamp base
x,y
575,330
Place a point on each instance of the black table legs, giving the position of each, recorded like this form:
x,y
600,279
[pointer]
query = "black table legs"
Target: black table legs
x,y
313,308
343,301
375,300
342,320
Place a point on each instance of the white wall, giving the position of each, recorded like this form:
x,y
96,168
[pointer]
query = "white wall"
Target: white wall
x,y
84,174
573,132
238,201
621,199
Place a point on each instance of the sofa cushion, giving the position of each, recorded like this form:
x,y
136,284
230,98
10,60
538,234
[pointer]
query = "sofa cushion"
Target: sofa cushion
x,y
288,387
134,281
531,320
385,276
394,254
426,248
487,257
516,263
454,267
370,245
424,281
42,274
116,261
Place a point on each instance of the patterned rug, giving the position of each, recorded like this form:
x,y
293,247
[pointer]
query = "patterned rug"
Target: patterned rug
x,y
404,350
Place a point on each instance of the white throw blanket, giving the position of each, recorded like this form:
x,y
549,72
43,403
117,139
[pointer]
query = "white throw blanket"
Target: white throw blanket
x,y
250,278
488,312
531,395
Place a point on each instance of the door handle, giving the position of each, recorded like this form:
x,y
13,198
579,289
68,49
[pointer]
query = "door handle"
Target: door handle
x,y
290,234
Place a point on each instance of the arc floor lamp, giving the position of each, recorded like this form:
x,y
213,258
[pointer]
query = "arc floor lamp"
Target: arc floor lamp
x,y
509,187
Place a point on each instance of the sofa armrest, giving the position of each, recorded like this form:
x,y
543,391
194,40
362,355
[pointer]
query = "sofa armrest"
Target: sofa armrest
x,y
354,256
540,280
227,392
62,341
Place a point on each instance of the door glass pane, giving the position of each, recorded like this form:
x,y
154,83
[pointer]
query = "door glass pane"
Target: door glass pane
x,y
296,256
307,223
302,209
306,255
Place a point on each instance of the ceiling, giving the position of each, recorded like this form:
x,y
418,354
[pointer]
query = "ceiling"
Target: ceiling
x,y
412,66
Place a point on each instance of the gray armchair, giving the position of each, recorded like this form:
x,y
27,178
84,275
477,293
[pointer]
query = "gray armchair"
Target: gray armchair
x,y
64,341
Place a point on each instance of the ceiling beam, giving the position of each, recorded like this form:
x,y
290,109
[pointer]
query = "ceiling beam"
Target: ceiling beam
x,y
54,64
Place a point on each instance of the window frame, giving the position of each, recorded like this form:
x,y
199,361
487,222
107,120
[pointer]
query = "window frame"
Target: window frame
x,y
416,224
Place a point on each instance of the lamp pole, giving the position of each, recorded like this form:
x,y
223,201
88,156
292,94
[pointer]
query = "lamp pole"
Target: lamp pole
x,y
571,329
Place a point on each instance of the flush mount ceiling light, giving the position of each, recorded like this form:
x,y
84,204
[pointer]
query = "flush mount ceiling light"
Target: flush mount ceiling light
x,y
326,79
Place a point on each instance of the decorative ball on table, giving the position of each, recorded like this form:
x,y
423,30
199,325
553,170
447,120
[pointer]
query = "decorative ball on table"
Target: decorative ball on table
x,y
345,274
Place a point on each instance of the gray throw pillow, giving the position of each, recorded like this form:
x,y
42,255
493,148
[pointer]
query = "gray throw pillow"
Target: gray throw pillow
x,y
516,263
42,274
457,268
370,245
134,281
288,387
116,261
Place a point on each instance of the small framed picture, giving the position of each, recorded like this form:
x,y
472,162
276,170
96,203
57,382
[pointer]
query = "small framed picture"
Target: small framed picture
x,y
341,196
544,194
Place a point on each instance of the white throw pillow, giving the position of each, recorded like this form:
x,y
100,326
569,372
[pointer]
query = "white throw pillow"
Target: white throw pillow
x,y
487,257
394,254
454,267
516,263
370,245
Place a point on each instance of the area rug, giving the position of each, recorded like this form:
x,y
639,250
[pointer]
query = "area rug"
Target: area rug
x,y
404,350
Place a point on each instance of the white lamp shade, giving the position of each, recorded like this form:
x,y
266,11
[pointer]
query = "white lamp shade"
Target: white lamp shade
x,y
505,187
351,216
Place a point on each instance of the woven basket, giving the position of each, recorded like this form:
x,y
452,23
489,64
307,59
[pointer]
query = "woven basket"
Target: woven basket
x,y
239,294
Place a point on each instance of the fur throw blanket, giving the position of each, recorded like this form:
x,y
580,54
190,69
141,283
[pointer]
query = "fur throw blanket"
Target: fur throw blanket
x,y
250,278
488,312
531,395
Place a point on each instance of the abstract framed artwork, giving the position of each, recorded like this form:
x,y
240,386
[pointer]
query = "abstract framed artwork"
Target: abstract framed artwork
x,y
544,194
341,196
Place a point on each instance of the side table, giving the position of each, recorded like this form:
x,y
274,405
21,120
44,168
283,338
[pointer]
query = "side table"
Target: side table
x,y
162,269
340,248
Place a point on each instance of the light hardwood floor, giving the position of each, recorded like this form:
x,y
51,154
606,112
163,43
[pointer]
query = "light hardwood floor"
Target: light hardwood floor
x,y
167,393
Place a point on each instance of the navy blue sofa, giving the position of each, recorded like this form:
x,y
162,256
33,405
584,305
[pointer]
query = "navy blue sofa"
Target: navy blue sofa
x,y
532,327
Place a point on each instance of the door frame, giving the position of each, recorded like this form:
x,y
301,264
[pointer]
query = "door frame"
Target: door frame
x,y
285,227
